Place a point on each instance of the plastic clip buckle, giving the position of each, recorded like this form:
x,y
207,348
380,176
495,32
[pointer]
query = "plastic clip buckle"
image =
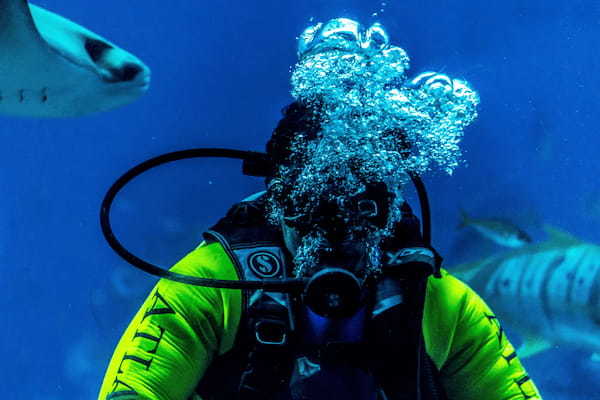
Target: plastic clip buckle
x,y
271,332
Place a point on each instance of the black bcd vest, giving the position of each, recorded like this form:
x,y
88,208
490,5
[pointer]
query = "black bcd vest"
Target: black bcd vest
x,y
271,359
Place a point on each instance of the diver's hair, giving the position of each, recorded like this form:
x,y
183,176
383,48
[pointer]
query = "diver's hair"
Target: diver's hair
x,y
301,123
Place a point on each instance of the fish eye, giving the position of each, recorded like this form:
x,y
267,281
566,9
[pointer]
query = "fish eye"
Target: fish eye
x,y
96,48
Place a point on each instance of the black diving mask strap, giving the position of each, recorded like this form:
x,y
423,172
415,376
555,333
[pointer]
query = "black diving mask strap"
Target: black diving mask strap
x,y
254,164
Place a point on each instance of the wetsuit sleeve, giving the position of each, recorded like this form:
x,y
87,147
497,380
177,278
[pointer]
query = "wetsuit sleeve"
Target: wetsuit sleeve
x,y
176,333
479,362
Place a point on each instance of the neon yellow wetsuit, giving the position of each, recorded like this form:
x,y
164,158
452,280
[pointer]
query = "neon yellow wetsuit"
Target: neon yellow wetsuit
x,y
180,329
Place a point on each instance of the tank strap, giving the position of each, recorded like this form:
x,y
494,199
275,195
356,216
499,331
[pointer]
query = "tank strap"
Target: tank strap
x,y
261,360
270,343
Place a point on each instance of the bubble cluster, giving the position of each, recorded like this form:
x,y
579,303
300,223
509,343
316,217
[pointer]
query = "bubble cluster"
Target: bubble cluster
x,y
360,80
377,125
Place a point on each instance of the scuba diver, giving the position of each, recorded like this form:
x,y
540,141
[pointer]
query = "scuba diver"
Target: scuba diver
x,y
326,285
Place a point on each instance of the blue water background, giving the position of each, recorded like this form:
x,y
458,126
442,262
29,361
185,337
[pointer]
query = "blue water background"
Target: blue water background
x,y
220,75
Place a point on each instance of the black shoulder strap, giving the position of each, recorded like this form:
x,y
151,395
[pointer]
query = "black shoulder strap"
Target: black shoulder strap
x,y
254,245
395,331
260,360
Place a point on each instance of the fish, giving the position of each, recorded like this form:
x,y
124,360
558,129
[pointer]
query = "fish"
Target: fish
x,y
51,67
548,292
500,231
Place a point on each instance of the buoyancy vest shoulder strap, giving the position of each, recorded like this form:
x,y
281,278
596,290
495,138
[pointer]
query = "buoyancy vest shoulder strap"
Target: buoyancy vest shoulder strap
x,y
254,245
260,357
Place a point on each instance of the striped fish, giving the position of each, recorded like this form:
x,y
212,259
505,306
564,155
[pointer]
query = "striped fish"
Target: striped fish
x,y
549,292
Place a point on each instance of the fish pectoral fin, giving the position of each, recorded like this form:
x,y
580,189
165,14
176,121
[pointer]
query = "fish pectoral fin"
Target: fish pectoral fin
x,y
532,346
464,267
559,236
464,274
467,271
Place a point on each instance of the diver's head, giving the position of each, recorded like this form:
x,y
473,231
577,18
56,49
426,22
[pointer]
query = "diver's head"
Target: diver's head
x,y
296,147
344,149
329,205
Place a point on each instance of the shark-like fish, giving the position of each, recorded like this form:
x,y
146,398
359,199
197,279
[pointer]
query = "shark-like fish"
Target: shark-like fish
x,y
52,67
549,292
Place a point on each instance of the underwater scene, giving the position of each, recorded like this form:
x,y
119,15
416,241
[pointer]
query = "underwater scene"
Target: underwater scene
x,y
346,199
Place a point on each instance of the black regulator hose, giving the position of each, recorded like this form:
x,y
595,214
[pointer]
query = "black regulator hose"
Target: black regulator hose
x,y
254,164
424,204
